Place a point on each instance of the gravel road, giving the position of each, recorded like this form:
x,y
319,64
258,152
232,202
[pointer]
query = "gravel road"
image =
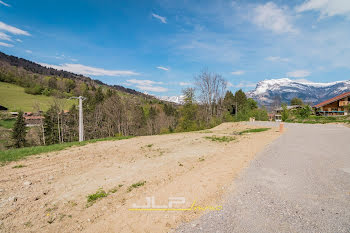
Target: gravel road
x,y
299,183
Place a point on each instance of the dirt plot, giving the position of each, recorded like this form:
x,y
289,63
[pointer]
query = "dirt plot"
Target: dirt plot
x,y
49,192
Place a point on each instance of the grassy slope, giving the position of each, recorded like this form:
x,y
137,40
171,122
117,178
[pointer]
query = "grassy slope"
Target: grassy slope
x,y
7,123
14,98
17,154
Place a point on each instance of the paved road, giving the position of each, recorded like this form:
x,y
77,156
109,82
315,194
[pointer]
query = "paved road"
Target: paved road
x,y
299,183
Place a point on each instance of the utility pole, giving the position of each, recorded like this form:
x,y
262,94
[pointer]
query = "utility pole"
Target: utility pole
x,y
81,123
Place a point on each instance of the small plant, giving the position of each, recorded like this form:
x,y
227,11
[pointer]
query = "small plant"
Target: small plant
x,y
62,216
115,189
180,164
51,209
220,139
72,203
92,198
19,166
201,159
28,224
149,145
51,220
253,130
136,185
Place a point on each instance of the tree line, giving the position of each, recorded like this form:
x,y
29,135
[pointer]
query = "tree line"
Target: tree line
x,y
109,113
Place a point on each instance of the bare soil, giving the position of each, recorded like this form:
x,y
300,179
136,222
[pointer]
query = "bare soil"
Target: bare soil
x,y
49,194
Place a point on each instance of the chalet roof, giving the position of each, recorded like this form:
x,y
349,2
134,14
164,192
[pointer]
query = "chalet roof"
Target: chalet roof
x,y
346,94
3,108
33,117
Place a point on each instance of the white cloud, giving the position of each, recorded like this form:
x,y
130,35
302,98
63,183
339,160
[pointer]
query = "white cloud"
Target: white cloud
x,y
326,7
277,59
13,30
302,80
19,40
142,82
238,72
146,85
29,51
162,68
161,18
185,84
242,84
4,3
299,74
5,44
270,16
153,88
88,70
4,36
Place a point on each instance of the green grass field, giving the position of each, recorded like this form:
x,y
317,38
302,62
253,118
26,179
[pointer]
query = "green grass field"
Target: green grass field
x,y
14,98
7,123
20,153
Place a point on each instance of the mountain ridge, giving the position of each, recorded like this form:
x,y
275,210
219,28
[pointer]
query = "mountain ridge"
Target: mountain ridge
x,y
270,91
36,68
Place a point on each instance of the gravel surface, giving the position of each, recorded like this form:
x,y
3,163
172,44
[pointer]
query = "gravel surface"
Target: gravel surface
x,y
299,183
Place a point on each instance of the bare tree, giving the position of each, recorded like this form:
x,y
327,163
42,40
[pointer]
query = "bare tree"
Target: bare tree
x,y
37,108
189,95
211,87
59,103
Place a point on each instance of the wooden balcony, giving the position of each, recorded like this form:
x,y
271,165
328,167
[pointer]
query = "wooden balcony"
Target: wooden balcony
x,y
344,103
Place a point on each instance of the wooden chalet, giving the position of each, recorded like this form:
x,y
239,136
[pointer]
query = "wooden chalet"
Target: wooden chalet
x,y
336,106
33,119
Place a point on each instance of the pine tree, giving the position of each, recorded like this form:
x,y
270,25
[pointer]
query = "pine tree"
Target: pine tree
x,y
229,102
241,99
19,131
50,125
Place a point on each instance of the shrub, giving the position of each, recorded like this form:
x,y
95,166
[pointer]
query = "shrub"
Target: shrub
x,y
47,92
36,90
305,111
285,112
165,130
220,139
98,195
136,185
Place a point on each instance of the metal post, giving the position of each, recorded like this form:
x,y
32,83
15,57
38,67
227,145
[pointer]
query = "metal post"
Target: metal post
x,y
81,124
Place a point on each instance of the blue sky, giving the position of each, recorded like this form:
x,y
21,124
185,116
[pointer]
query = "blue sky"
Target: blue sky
x,y
158,46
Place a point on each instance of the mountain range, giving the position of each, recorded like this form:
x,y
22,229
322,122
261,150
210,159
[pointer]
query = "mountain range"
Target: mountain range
x,y
268,92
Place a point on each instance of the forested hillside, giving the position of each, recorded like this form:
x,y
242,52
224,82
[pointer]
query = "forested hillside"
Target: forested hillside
x,y
28,68
109,112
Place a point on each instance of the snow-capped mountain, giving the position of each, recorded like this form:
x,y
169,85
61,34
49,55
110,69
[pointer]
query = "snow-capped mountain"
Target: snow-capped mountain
x,y
268,91
175,99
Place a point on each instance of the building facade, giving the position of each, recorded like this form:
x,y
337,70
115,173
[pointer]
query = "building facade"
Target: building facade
x,y
336,106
